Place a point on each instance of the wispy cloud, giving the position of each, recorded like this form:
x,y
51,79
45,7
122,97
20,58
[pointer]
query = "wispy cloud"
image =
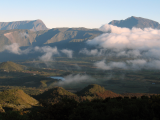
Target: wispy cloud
x,y
93,52
14,48
48,52
75,80
67,52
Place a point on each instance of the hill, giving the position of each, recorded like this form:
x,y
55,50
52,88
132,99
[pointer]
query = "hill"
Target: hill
x,y
11,66
16,98
138,22
54,95
34,25
95,90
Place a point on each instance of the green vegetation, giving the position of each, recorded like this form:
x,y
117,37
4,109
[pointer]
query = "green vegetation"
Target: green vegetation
x,y
91,90
54,95
95,103
11,66
104,88
119,81
143,108
16,98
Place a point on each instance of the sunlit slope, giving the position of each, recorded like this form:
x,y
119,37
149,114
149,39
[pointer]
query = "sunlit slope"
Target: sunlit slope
x,y
16,97
44,37
34,25
11,66
97,91
55,92
55,95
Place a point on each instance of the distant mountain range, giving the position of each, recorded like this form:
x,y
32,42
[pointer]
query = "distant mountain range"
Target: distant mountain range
x,y
35,33
43,37
137,22
34,25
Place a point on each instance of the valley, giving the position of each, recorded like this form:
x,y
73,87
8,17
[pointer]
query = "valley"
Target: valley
x,y
120,81
45,72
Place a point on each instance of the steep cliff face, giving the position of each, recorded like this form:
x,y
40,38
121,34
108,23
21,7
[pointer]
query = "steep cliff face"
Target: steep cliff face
x,y
138,22
34,25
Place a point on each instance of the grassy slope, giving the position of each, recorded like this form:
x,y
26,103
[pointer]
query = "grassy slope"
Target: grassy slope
x,y
11,66
95,90
16,97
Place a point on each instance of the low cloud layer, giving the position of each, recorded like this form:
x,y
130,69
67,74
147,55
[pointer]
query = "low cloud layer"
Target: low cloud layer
x,y
23,34
75,80
124,38
143,46
14,48
93,52
137,64
48,52
67,52
102,65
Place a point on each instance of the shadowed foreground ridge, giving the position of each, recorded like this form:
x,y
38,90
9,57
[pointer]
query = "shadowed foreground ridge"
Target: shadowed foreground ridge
x,y
134,108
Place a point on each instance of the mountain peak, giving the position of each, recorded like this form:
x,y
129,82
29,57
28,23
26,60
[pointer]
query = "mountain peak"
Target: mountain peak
x,y
34,25
137,22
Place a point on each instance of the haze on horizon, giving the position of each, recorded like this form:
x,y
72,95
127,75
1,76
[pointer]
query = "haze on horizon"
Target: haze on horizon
x,y
79,13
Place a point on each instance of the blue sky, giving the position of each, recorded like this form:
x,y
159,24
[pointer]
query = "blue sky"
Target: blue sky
x,y
78,13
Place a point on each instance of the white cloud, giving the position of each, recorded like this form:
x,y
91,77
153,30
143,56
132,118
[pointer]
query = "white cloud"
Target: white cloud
x,y
93,52
137,64
124,38
14,48
111,65
75,80
67,52
48,52
143,46
23,34
113,29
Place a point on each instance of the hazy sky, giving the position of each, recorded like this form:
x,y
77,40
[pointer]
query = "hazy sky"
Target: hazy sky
x,y
78,13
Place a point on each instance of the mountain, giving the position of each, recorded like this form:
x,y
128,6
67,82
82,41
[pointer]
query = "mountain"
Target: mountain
x,y
16,98
22,37
69,34
44,37
11,66
137,22
34,25
98,91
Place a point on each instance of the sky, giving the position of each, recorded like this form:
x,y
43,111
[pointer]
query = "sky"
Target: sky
x,y
78,13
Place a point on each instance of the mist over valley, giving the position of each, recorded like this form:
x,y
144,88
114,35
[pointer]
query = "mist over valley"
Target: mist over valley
x,y
45,66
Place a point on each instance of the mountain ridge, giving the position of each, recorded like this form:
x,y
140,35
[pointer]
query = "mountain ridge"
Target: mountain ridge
x,y
138,22
34,25
27,38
